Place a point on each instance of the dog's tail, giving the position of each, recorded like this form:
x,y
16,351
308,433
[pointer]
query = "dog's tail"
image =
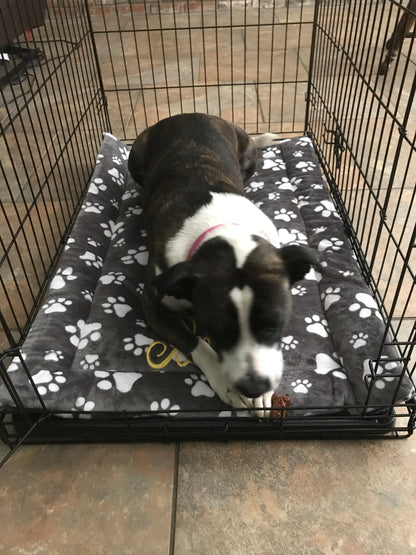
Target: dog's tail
x,y
267,139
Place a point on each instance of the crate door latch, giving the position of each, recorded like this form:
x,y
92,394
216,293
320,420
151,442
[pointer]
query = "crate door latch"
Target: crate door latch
x,y
337,141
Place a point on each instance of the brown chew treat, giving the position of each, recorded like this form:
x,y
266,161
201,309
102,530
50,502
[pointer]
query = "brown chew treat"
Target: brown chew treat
x,y
279,403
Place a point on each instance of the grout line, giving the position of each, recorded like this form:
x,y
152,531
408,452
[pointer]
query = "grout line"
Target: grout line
x,y
174,501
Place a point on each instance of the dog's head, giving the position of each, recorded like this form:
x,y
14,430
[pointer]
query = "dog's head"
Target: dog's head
x,y
243,310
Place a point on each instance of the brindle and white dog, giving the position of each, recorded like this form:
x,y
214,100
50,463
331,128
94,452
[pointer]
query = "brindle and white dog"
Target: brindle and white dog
x,y
213,251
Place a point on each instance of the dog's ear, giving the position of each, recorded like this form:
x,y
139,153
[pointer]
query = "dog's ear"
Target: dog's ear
x,y
178,281
298,260
247,153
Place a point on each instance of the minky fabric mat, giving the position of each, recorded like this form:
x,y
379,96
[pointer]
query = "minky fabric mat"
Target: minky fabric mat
x,y
89,348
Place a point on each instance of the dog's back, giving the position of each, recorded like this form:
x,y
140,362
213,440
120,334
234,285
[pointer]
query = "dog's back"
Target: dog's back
x,y
197,153
177,146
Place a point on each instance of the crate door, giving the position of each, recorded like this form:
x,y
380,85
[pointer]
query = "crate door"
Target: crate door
x,y
360,118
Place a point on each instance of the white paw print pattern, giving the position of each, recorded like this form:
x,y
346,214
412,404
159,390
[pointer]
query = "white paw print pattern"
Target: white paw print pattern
x,y
164,405
116,160
140,288
301,201
81,404
124,153
116,278
298,154
199,386
82,333
331,245
326,364
87,294
303,141
133,211
111,229
56,305
330,296
327,209
346,273
90,362
275,165
92,260
386,367
320,229
137,343
94,207
117,306
48,382
140,255
122,381
130,194
285,215
313,275
298,290
96,186
69,242
317,186
16,363
359,340
301,386
273,196
288,237
62,276
286,184
317,325
119,243
271,153
54,356
116,176
305,167
289,342
366,306
93,243
254,186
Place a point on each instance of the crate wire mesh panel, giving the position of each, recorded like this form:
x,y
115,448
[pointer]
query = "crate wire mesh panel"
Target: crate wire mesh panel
x,y
248,65
122,66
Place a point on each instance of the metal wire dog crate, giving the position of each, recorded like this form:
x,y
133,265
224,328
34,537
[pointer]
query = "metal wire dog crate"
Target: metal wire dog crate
x,y
286,67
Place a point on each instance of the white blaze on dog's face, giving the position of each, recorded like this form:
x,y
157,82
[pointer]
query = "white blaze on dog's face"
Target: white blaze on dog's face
x,y
255,364
243,311
241,307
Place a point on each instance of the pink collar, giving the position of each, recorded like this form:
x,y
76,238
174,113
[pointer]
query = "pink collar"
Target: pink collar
x,y
201,237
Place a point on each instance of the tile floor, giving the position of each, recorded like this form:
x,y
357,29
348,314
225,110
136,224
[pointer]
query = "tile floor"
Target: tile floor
x,y
335,497
332,497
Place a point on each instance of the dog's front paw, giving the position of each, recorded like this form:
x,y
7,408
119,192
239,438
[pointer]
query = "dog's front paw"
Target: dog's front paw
x,y
262,404
259,406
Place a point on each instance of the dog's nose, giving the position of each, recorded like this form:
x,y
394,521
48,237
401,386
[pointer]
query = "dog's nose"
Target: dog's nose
x,y
252,385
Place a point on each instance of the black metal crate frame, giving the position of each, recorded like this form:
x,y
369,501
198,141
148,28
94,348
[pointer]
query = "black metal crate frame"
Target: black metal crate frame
x,y
122,66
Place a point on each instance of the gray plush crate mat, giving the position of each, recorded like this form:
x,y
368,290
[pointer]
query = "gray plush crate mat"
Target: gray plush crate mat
x,y
89,348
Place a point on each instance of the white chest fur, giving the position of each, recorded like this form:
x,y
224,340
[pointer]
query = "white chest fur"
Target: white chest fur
x,y
228,215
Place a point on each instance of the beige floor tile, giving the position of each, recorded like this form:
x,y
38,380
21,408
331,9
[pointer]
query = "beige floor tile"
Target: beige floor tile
x,y
335,497
87,499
